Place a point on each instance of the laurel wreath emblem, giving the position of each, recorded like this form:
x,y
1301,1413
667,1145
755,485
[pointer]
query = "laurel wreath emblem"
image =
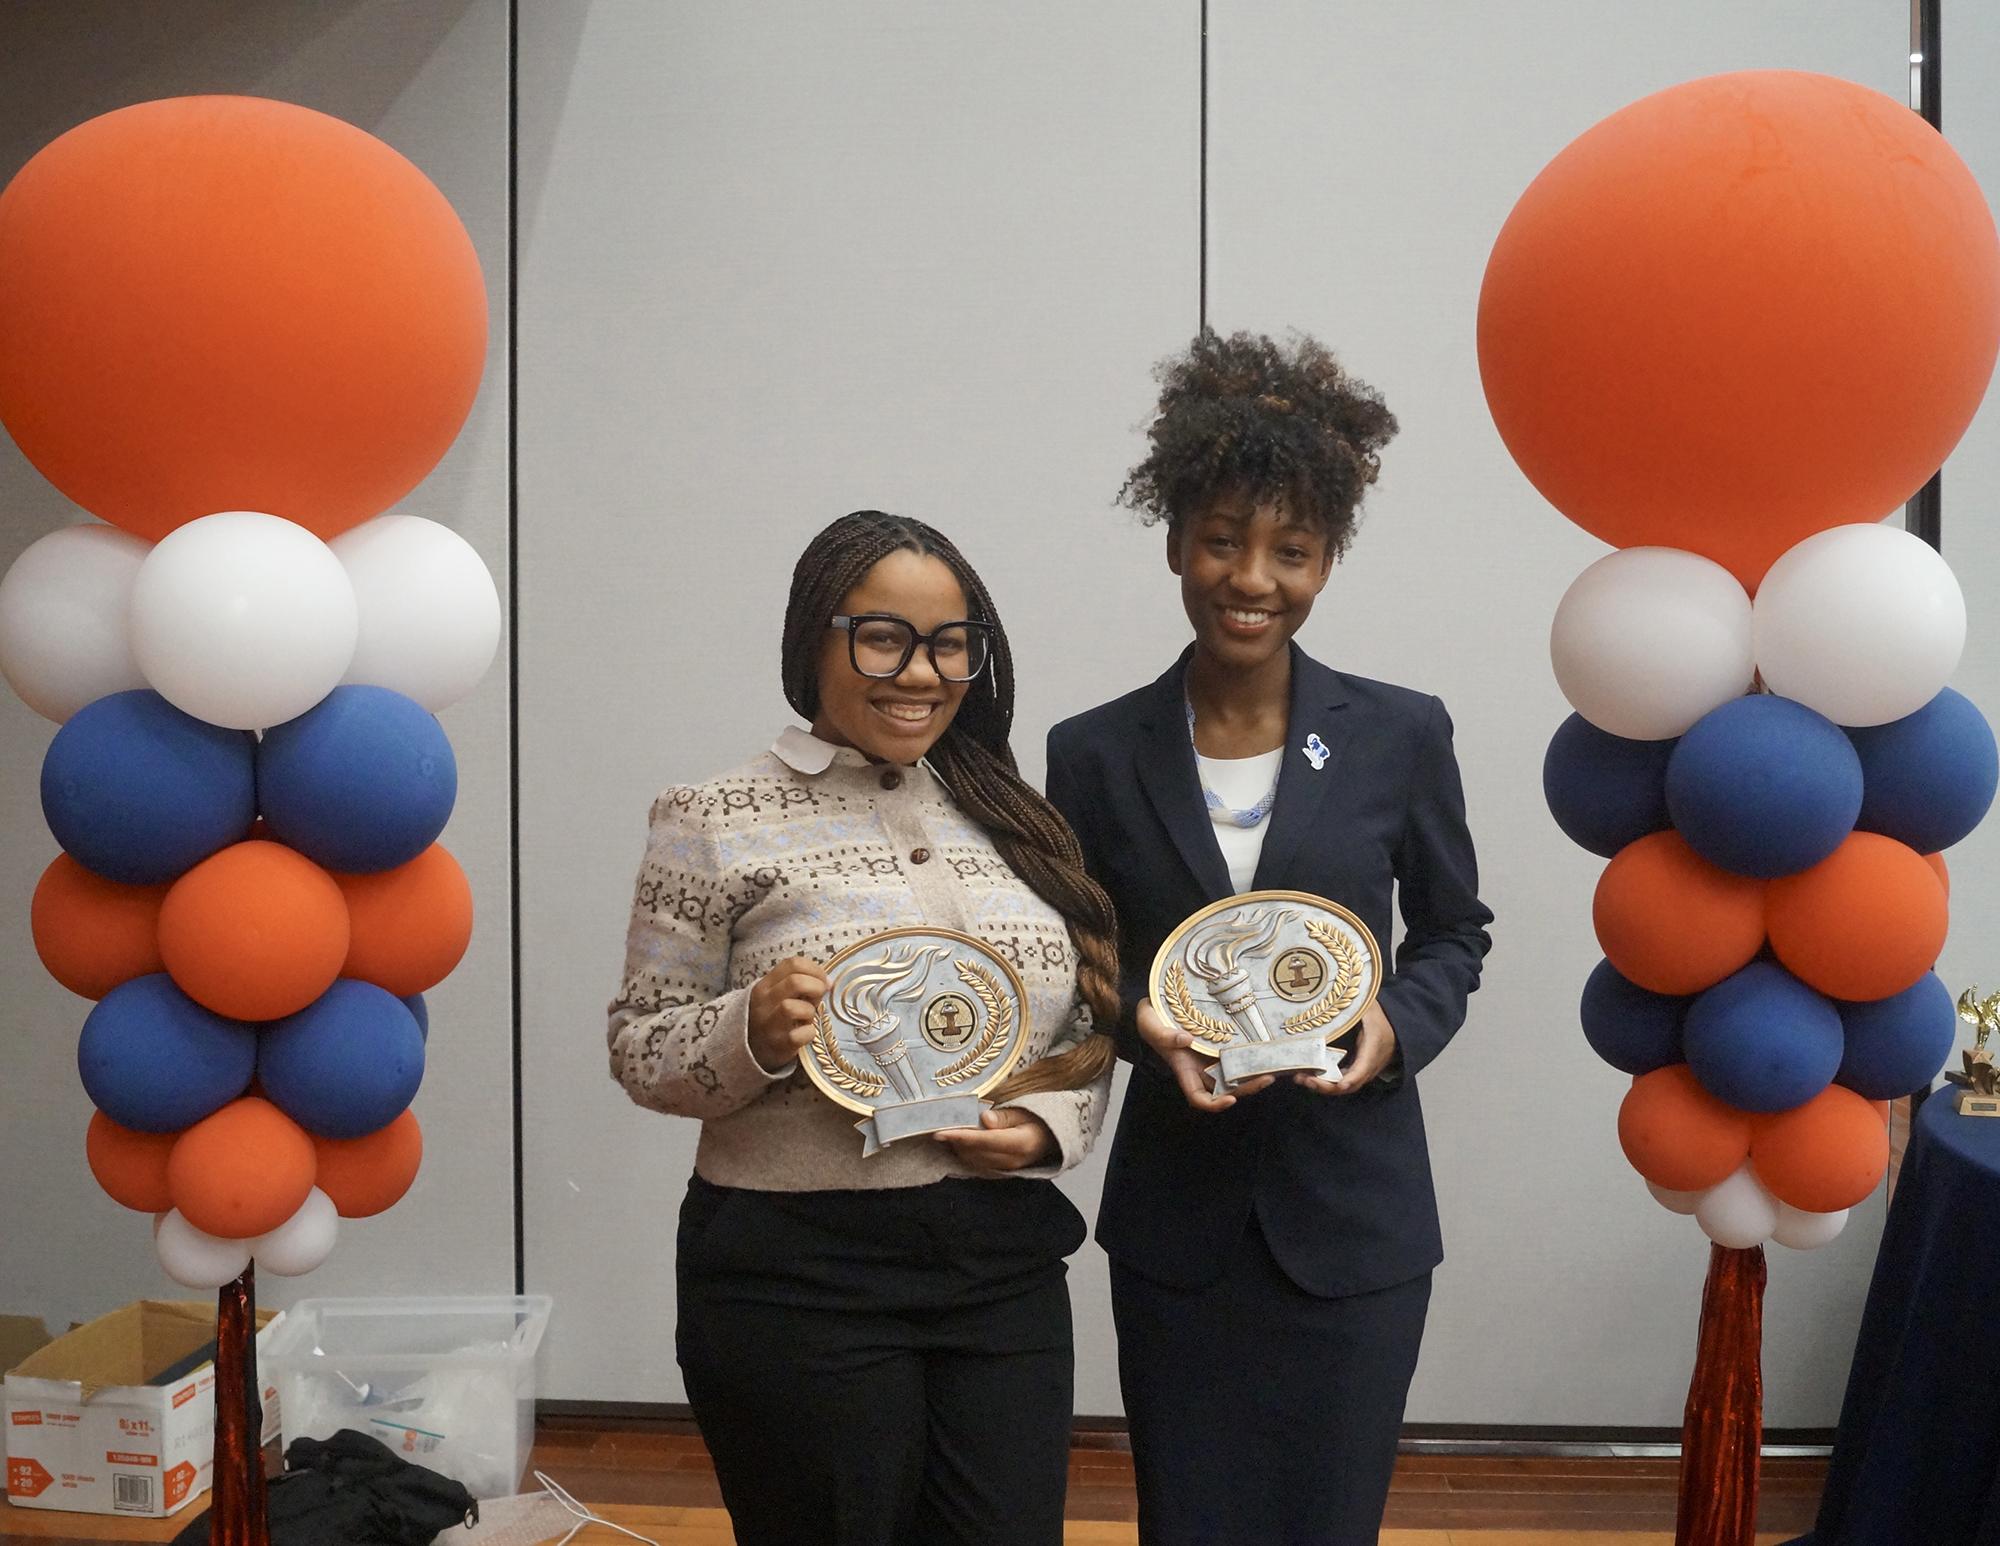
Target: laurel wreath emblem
x,y
1181,1005
999,1022
1341,991
826,1053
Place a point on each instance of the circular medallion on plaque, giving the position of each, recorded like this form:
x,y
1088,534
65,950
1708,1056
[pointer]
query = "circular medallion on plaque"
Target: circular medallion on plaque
x,y
915,1026
1264,981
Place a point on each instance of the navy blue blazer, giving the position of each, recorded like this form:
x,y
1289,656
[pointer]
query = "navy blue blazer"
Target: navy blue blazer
x,y
1341,1185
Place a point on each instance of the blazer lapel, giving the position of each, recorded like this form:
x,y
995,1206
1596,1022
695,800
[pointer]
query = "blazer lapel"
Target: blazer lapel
x,y
1164,756
1318,704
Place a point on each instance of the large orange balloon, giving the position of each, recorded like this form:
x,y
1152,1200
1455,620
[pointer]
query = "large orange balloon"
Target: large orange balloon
x,y
254,932
1673,922
1739,311
1865,922
93,933
228,303
242,1171
410,925
131,1167
370,1174
1677,1135
1823,1156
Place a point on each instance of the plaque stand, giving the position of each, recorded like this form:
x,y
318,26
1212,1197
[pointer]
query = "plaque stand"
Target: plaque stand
x,y
1294,1054
911,1118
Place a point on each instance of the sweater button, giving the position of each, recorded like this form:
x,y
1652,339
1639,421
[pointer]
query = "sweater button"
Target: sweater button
x,y
920,856
892,779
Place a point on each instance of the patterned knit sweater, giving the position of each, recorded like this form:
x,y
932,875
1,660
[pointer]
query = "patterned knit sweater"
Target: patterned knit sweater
x,y
805,851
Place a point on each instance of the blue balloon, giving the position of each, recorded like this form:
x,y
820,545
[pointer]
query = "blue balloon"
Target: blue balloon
x,y
1761,1040
421,1012
139,792
1633,1030
362,781
1928,777
1896,1045
345,1065
1603,790
1764,787
154,1060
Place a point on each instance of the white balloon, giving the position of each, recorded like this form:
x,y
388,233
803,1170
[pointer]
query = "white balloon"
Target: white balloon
x,y
1738,1212
430,616
65,630
1804,1231
196,1260
242,619
303,1241
1863,623
1647,640
1683,1203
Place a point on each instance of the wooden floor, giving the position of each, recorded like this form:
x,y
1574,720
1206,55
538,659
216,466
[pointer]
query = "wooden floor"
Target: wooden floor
x,y
664,1463
655,1477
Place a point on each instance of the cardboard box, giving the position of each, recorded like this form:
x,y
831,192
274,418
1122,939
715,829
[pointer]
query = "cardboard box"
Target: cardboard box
x,y
105,1420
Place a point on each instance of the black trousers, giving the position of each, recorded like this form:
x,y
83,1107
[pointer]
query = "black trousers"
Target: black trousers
x,y
882,1368
1262,1414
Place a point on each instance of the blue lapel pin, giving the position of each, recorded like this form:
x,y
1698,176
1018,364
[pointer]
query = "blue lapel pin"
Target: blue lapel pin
x,y
1316,752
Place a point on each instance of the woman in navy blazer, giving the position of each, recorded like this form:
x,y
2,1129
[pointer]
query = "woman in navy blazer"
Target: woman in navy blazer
x,y
1271,1247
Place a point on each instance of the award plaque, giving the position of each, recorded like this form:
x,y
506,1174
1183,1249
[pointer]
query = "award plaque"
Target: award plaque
x,y
1266,981
916,1024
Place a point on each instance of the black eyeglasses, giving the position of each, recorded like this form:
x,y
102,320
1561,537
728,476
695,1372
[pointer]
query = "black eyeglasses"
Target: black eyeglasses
x,y
879,645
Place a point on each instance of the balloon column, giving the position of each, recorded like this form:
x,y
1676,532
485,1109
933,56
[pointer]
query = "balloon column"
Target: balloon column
x,y
237,331
1729,330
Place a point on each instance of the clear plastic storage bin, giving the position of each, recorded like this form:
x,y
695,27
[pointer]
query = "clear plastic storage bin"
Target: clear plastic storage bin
x,y
447,1383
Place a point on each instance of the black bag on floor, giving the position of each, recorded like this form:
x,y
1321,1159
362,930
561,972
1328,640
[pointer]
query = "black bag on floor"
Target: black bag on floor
x,y
351,1490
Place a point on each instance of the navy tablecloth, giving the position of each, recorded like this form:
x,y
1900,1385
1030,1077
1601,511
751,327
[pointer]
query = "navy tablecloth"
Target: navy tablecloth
x,y
1917,1459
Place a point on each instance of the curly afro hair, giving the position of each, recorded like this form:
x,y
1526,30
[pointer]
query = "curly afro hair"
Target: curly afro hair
x,y
1276,423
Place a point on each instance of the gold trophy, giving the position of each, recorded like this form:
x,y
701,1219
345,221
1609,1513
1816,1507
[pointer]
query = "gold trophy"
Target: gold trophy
x,y
1268,982
915,1026
1979,1092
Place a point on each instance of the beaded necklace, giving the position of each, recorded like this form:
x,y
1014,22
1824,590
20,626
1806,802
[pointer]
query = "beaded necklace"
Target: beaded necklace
x,y
1218,806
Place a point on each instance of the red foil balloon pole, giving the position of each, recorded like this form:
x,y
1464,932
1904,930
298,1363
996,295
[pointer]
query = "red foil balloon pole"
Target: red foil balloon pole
x,y
236,1503
1722,1431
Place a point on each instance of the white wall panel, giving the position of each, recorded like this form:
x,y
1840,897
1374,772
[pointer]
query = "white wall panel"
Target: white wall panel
x,y
780,261
1971,498
430,77
1362,161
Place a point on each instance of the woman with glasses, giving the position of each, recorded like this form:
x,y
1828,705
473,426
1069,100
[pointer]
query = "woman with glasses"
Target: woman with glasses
x,y
1271,1245
878,1349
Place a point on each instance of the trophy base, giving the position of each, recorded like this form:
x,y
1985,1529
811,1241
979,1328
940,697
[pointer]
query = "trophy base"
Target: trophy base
x,y
1292,1055
909,1119
1971,1104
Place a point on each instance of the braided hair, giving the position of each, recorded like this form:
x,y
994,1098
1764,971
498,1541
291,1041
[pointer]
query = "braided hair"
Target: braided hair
x,y
976,763
1278,423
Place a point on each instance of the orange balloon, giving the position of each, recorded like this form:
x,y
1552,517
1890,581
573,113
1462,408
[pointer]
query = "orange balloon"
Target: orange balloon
x,y
1936,862
1865,922
1740,311
1673,922
1677,1135
370,1174
131,1167
1823,1156
242,1171
92,933
254,932
410,924
229,303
